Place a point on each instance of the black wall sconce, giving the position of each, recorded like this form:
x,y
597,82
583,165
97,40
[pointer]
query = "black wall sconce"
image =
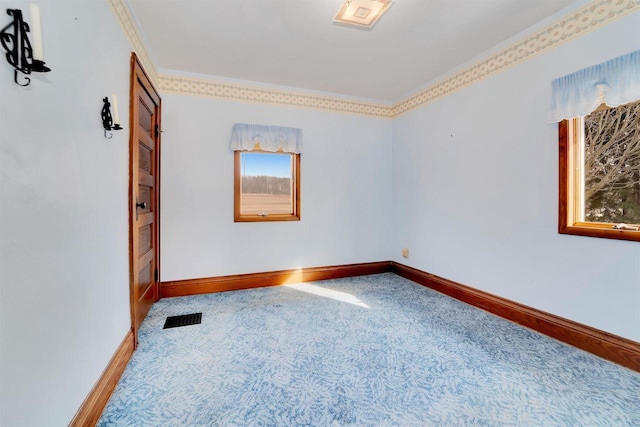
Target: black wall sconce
x,y
15,41
107,120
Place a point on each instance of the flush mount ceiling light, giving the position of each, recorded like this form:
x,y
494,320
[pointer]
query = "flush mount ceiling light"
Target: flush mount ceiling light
x,y
361,13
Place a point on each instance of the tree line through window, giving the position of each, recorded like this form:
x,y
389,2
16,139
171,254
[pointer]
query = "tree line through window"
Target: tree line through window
x,y
267,186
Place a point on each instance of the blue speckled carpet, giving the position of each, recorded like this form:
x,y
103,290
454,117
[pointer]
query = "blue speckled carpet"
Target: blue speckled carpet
x,y
372,350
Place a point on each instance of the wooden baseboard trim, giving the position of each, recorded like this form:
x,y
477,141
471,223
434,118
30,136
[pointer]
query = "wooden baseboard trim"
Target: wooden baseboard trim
x,y
92,407
273,278
608,346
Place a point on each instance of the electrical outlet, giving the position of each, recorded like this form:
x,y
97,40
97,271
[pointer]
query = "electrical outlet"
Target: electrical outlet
x,y
405,252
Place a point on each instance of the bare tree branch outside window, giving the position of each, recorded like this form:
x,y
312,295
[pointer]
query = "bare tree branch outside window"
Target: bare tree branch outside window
x,y
612,165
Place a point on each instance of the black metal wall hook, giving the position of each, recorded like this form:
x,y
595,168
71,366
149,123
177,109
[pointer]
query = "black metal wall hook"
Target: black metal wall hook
x,y
19,54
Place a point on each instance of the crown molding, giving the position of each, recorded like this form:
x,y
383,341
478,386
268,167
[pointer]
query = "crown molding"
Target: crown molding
x,y
594,15
130,28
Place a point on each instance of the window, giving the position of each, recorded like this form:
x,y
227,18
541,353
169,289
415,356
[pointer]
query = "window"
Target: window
x,y
600,173
266,172
267,186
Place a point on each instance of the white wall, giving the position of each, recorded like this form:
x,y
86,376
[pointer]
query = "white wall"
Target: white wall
x,y
472,179
475,188
345,192
64,286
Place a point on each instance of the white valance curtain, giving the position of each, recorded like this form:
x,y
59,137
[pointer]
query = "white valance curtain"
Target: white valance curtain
x,y
614,82
244,137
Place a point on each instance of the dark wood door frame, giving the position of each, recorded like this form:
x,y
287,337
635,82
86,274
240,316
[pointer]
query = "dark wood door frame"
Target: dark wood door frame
x,y
140,80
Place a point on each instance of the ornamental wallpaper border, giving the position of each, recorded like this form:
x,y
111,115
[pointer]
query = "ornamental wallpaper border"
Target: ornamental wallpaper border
x,y
588,18
234,92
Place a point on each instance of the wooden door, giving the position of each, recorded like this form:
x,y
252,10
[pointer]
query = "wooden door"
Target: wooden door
x,y
144,194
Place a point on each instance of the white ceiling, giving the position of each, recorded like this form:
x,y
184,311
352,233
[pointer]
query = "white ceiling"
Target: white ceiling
x,y
294,42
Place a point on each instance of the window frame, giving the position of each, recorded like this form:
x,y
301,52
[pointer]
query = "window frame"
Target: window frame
x,y
237,197
569,204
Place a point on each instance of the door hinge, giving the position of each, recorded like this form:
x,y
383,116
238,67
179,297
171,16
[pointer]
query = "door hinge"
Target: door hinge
x,y
157,131
155,275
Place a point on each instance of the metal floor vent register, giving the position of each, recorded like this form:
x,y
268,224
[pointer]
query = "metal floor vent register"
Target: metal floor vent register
x,y
184,320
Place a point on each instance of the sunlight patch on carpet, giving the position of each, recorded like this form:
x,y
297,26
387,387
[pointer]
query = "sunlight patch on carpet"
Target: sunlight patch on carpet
x,y
327,293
